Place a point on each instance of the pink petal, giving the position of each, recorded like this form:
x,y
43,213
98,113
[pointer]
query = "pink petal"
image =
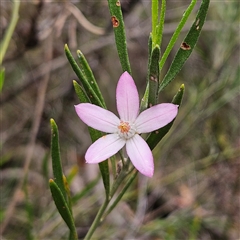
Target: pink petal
x,y
97,117
127,98
104,148
156,117
140,155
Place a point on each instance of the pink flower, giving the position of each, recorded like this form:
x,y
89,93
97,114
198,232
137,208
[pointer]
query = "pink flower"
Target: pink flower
x,y
125,130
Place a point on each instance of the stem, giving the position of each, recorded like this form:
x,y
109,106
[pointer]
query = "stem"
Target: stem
x,y
177,32
122,158
113,165
154,20
118,182
119,197
97,220
4,44
161,23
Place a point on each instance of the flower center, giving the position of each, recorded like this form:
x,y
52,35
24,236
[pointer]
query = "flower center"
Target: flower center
x,y
126,130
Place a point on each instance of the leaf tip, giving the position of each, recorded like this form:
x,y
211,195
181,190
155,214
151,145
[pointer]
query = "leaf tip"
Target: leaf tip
x,y
74,82
79,53
52,122
66,47
51,181
182,87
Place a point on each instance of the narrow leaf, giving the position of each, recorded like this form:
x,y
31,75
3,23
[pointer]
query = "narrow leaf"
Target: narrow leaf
x,y
86,70
187,45
156,136
82,77
144,102
81,94
153,77
62,207
154,20
56,159
119,31
9,32
161,23
2,77
177,32
83,98
149,51
67,190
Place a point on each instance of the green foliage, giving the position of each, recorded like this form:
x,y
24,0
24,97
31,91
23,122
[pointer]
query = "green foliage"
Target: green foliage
x,y
187,46
87,72
91,89
8,34
153,77
2,76
63,208
56,159
177,31
155,137
119,32
59,186
95,134
158,22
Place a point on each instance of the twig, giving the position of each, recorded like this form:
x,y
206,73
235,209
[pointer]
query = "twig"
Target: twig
x,y
84,22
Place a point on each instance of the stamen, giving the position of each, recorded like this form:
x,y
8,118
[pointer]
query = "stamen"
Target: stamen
x,y
124,127
126,130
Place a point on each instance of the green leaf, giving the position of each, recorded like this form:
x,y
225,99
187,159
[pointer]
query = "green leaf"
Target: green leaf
x,y
177,32
63,208
2,77
153,77
81,94
149,51
160,26
144,102
156,136
158,21
86,70
56,159
154,20
89,89
9,32
119,31
187,46
95,134
67,190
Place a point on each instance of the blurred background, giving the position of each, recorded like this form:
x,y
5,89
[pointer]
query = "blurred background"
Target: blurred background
x,y
195,191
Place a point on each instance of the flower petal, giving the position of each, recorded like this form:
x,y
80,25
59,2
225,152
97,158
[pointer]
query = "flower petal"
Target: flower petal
x,y
104,148
156,117
127,98
97,117
140,155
